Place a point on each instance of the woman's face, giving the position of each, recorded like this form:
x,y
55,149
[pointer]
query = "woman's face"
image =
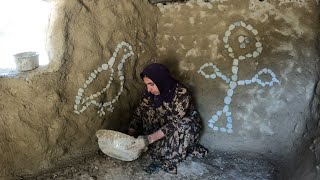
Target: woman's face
x,y
151,86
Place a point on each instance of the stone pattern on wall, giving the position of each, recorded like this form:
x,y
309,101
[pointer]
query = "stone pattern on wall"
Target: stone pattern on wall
x,y
233,80
39,128
250,74
82,103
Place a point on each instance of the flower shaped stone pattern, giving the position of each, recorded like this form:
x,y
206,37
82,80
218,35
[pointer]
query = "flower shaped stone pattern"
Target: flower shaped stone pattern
x,y
82,103
244,42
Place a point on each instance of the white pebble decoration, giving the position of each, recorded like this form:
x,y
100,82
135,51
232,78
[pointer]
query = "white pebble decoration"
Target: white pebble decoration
x,y
82,103
234,82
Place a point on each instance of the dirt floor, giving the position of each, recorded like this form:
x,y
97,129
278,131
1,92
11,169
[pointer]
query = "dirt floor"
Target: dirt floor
x,y
216,165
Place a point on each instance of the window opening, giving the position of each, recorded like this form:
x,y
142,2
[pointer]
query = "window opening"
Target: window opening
x,y
23,26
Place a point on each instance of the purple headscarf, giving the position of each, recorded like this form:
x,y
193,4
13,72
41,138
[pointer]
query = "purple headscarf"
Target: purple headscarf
x,y
160,75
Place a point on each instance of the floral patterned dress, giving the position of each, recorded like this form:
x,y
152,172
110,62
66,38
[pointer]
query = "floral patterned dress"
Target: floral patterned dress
x,y
180,123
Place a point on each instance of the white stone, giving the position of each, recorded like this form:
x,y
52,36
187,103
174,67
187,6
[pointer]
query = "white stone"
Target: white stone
x,y
215,128
88,82
259,49
207,76
231,55
254,31
225,39
233,85
228,33
240,39
223,130
231,27
121,78
265,70
248,81
113,101
225,108
247,40
230,50
219,74
235,69
95,71
219,113
229,119
93,75
98,93
75,107
243,24
249,55
215,118
120,66
95,95
104,66
237,23
108,86
99,69
230,92
111,61
81,90
210,125
249,27
242,45
90,79
241,57
255,54
258,44
91,96
235,62
227,100
212,76
226,46
78,97
241,82
85,85
77,101
234,77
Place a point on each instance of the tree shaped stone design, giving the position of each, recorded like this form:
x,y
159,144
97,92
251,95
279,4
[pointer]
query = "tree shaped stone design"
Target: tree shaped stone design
x,y
233,81
82,103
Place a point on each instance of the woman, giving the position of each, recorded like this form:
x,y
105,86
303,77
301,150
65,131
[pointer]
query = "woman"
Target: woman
x,y
167,119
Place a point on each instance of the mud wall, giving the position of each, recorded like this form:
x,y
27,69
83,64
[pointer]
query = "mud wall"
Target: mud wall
x,y
50,115
251,66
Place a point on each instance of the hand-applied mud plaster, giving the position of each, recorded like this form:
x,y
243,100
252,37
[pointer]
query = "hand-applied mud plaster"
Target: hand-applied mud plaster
x,y
233,81
82,103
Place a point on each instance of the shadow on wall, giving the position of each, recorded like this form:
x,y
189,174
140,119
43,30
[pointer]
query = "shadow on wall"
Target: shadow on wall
x,y
307,162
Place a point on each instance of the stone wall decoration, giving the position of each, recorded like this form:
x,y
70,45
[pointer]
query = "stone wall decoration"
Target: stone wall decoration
x,y
82,103
244,42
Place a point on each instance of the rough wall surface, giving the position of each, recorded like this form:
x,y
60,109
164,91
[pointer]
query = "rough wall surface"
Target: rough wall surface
x,y
45,117
251,66
306,164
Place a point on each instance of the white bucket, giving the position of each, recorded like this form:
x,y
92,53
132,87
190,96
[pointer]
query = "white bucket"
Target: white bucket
x,y
26,61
